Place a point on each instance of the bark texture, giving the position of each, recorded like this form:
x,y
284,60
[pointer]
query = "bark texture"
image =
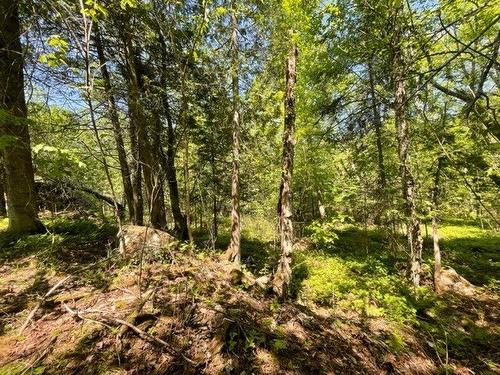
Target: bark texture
x,y
117,131
3,203
435,234
414,236
283,274
135,166
233,253
19,175
180,225
377,123
143,149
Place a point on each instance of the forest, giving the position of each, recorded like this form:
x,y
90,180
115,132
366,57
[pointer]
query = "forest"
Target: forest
x,y
249,187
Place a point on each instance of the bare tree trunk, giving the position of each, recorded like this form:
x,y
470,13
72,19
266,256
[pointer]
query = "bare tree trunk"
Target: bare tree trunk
x,y
215,210
117,131
187,193
158,173
171,174
3,204
152,181
283,274
233,252
377,122
435,235
180,226
408,184
19,175
135,165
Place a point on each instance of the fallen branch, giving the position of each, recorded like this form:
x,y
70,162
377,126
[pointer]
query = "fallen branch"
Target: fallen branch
x,y
40,357
137,310
42,301
103,319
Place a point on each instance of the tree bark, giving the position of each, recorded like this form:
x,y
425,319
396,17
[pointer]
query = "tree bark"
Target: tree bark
x,y
403,137
180,226
283,274
3,204
19,175
152,181
233,253
435,235
135,166
215,208
377,123
117,131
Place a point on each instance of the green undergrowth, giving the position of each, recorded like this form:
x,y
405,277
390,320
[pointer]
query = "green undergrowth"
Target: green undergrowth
x,y
259,246
4,223
473,252
347,269
68,244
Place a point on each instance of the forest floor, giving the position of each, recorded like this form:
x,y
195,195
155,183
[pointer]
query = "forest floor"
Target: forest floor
x,y
351,313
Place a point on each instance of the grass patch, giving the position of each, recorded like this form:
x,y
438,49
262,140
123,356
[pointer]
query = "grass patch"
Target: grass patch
x,y
67,246
473,252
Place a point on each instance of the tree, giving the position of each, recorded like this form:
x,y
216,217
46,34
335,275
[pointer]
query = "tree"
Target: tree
x,y
435,235
19,175
233,252
3,204
283,275
115,121
399,73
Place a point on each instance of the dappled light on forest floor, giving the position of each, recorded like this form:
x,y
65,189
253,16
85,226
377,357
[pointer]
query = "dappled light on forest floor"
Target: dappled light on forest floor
x,y
352,312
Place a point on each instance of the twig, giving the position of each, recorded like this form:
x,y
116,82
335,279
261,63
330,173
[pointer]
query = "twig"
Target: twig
x,y
142,334
40,303
39,358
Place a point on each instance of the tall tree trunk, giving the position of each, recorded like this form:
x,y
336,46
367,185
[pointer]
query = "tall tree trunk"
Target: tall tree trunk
x,y
407,182
435,235
180,226
145,155
215,210
283,274
3,204
19,176
135,165
377,123
117,131
152,179
187,193
233,252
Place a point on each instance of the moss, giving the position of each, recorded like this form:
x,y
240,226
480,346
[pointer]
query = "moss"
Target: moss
x,y
395,342
13,368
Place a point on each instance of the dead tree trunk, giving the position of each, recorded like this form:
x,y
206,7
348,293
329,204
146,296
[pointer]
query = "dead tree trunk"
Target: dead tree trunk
x,y
403,137
283,274
233,252
19,176
117,131
435,235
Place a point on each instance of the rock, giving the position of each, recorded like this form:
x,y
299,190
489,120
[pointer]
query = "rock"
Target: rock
x,y
136,237
452,281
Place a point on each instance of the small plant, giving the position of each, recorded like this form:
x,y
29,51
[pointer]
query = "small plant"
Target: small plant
x,y
279,345
322,234
395,342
